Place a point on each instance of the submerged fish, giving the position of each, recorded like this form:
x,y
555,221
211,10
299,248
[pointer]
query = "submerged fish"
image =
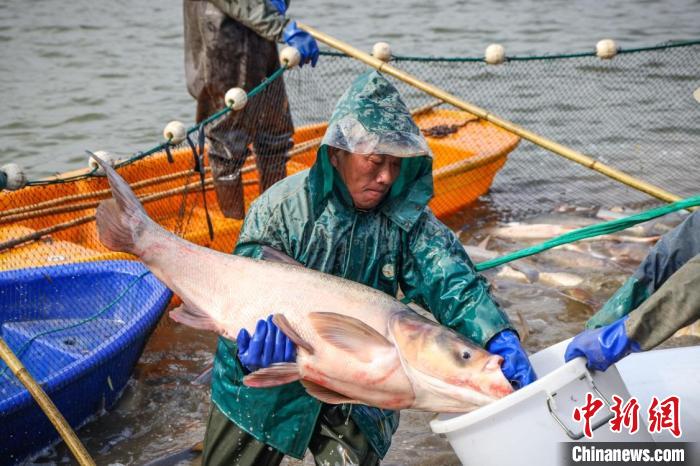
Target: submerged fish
x,y
545,231
566,257
355,344
692,330
530,231
519,270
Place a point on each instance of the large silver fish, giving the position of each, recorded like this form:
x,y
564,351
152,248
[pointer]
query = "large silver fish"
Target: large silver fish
x,y
355,344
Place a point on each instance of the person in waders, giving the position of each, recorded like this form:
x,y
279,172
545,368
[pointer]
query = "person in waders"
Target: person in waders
x,y
360,212
234,44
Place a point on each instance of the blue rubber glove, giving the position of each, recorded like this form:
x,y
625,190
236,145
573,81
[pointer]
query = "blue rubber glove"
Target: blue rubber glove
x,y
280,5
516,366
602,347
267,346
303,42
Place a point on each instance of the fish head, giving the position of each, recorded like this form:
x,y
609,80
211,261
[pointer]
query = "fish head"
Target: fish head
x,y
448,372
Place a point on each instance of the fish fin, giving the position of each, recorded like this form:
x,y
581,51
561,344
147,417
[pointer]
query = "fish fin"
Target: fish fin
x,y
348,334
121,220
276,374
531,274
194,318
281,321
205,377
485,243
273,255
524,330
325,394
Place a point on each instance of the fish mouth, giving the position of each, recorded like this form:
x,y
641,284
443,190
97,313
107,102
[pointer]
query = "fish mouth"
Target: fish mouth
x,y
501,386
493,362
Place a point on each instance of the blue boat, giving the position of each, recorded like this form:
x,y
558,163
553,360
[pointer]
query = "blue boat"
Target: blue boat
x,y
79,329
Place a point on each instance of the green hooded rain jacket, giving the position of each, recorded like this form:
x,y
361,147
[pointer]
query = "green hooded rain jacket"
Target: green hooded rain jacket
x,y
399,245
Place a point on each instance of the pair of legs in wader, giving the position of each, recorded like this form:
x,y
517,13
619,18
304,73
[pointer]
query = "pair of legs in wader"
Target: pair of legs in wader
x,y
336,440
265,123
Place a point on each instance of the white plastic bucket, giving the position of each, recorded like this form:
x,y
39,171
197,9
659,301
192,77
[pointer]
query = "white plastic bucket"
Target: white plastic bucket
x,y
528,426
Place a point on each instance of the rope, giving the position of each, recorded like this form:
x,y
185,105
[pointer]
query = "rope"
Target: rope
x,y
398,58
163,147
591,231
25,346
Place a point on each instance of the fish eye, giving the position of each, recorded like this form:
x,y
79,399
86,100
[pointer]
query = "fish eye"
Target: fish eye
x,y
466,355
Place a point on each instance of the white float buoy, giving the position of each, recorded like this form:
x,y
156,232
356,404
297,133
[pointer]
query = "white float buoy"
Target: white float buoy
x,y
235,98
105,156
606,49
696,94
382,51
495,54
175,132
15,177
290,57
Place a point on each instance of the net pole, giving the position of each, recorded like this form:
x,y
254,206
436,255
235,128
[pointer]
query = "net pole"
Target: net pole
x,y
46,405
541,141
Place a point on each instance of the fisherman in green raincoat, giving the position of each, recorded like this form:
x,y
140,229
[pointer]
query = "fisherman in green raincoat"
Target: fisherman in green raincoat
x,y
361,212
662,296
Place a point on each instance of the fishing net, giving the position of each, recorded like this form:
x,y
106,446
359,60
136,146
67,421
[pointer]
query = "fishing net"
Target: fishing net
x,y
69,306
635,112
77,314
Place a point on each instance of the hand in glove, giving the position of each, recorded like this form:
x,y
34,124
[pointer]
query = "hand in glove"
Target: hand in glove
x,y
602,347
280,6
267,346
303,42
516,366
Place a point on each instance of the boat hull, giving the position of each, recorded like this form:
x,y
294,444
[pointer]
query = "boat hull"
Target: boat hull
x,y
79,329
467,157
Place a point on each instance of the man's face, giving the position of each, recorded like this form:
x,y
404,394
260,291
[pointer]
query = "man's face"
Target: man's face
x,y
367,177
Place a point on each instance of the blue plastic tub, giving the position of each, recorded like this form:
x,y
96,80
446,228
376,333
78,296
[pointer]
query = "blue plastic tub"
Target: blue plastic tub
x,y
79,329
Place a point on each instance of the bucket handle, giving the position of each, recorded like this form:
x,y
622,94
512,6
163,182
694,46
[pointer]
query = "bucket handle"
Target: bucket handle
x,y
577,436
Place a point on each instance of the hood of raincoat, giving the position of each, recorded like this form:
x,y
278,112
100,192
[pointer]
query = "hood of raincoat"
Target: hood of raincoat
x,y
371,118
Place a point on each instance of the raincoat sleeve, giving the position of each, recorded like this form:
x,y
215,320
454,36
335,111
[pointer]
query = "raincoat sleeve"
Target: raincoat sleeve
x,y
259,15
673,306
437,274
673,250
262,227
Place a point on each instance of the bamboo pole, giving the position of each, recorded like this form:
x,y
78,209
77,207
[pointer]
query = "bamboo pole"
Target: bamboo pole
x,y
548,144
46,405
43,208
89,218
464,166
100,193
92,204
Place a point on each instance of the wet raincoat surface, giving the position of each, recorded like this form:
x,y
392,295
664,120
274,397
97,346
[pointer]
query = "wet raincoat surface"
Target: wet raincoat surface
x,y
659,313
399,244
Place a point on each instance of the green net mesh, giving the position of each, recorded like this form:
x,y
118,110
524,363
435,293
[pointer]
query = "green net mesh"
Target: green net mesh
x,y
634,112
70,307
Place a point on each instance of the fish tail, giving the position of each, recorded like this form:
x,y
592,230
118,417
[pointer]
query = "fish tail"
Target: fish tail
x,y
122,220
